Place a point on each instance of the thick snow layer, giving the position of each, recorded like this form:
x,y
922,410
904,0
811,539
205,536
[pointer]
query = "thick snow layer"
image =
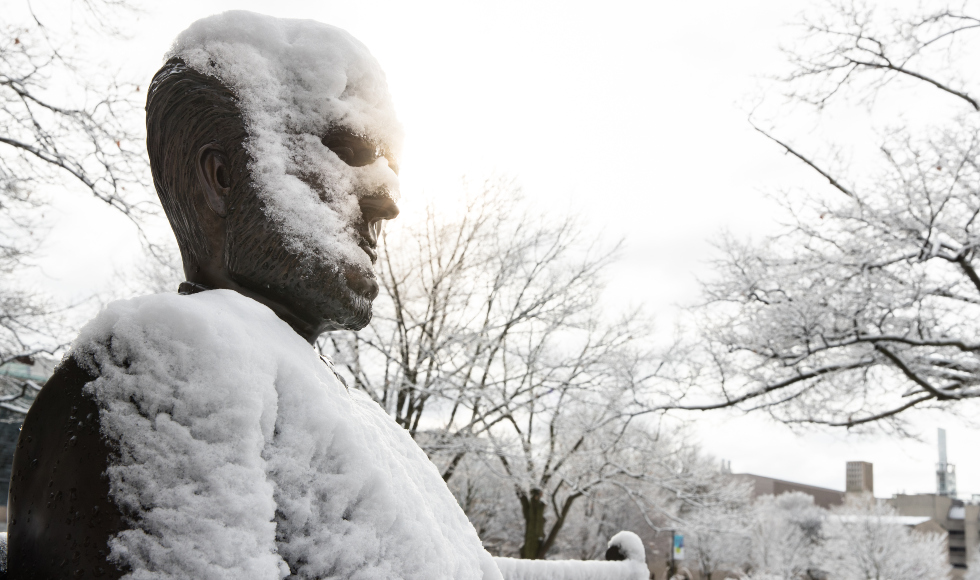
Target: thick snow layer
x,y
513,569
242,455
295,79
630,545
633,568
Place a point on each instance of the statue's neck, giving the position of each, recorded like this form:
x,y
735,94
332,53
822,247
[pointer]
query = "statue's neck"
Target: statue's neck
x,y
302,328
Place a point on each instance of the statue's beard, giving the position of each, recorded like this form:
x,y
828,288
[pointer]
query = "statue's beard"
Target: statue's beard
x,y
313,287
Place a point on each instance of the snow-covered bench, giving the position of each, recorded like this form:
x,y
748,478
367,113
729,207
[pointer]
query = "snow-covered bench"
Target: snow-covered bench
x,y
625,545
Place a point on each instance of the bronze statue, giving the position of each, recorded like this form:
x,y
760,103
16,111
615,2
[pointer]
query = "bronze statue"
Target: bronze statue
x,y
62,513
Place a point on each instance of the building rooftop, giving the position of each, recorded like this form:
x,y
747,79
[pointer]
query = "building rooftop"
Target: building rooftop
x,y
898,520
762,485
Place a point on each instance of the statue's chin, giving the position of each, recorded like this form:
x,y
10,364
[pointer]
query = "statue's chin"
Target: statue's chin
x,y
354,314
325,297
343,299
362,283
325,294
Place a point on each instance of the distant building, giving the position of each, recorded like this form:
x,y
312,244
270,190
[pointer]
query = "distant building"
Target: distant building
x,y
762,485
860,477
960,520
940,512
921,524
23,375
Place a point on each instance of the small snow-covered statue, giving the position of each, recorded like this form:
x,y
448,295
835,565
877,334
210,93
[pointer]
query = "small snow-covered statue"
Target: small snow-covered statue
x,y
197,434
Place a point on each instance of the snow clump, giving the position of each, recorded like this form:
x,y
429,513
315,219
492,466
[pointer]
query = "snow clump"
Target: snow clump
x,y
242,456
514,569
295,80
632,568
630,545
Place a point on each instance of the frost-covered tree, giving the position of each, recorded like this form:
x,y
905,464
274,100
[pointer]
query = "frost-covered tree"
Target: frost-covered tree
x,y
560,452
867,541
488,503
670,487
786,532
716,535
867,304
66,122
600,516
787,537
973,569
488,338
469,293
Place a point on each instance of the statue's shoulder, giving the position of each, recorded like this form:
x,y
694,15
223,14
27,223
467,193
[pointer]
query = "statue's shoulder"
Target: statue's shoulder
x,y
60,516
61,513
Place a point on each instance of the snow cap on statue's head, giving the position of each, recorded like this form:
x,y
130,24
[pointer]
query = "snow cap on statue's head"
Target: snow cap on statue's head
x,y
295,81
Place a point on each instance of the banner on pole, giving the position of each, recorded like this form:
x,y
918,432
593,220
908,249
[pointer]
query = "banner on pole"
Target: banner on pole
x,y
678,546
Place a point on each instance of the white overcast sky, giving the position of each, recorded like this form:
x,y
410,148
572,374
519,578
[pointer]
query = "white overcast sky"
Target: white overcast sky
x,y
631,112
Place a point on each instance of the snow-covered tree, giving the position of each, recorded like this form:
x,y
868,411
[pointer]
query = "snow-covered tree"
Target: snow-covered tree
x,y
561,452
787,537
973,569
868,541
671,487
464,288
65,118
488,502
867,304
68,123
785,533
488,338
716,536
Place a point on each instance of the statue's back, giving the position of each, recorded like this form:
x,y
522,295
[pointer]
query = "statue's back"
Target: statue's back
x,y
60,517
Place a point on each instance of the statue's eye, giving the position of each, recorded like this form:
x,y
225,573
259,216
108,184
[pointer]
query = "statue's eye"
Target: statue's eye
x,y
346,154
354,150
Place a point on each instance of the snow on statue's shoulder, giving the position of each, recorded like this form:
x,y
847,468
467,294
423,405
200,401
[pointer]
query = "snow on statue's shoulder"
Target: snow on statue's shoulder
x,y
243,456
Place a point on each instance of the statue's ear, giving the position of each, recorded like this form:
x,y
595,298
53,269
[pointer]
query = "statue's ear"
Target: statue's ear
x,y
215,177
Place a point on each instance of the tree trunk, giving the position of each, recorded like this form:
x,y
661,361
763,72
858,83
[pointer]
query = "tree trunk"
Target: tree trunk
x,y
533,509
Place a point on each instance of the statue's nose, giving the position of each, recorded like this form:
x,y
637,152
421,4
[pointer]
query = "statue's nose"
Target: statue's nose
x,y
374,210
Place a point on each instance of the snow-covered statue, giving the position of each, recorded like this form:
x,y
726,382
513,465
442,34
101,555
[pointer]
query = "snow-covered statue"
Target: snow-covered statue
x,y
198,434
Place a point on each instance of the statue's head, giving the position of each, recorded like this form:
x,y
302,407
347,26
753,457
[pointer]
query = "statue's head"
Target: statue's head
x,y
272,144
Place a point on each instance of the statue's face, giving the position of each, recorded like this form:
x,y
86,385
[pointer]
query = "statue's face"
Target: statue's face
x,y
321,131
352,177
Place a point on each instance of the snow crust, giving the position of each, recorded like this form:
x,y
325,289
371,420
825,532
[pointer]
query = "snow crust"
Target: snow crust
x,y
241,455
514,569
630,545
633,568
294,80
